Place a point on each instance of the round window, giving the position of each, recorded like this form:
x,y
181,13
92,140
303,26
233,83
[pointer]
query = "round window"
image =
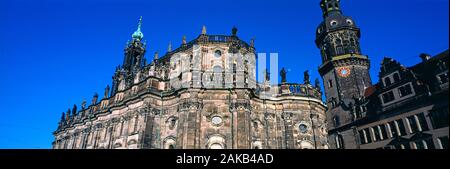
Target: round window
x,y
216,120
350,22
303,128
217,53
333,23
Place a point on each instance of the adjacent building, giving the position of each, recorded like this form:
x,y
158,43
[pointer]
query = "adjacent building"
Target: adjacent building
x,y
406,109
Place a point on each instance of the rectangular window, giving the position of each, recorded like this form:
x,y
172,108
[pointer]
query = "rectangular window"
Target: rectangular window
x,y
330,83
361,137
423,122
376,133
412,124
401,127
388,97
368,135
439,118
383,131
405,90
393,129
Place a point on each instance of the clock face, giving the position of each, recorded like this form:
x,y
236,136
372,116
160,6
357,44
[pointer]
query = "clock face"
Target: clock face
x,y
344,71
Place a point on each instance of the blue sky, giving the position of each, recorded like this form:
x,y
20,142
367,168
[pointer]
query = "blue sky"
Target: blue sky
x,y
55,53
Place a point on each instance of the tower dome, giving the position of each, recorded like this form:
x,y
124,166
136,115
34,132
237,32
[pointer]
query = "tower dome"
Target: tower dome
x,y
138,34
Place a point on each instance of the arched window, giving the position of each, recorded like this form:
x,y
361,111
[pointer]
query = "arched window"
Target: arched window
x,y
339,142
387,81
172,124
396,77
217,53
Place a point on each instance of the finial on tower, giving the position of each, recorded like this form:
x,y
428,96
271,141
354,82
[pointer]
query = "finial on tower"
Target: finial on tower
x,y
183,40
204,30
138,34
234,31
169,48
156,56
330,7
306,79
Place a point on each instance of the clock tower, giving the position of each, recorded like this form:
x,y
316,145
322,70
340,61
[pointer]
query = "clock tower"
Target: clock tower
x,y
344,69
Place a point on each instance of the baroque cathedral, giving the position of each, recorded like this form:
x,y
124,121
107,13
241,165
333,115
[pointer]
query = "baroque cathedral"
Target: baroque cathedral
x,y
204,95
201,95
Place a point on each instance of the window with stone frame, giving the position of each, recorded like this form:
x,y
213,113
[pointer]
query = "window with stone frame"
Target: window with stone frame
x,y
405,90
383,132
422,121
368,135
362,138
413,124
401,127
340,142
388,97
393,131
387,81
396,77
376,133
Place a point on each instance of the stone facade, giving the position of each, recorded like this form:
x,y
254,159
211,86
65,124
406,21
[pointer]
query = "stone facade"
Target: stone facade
x,y
202,95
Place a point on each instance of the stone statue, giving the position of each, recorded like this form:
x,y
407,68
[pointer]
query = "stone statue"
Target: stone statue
x,y
94,99
267,75
306,77
169,48
155,57
105,95
183,41
68,115
252,42
317,84
204,30
83,104
63,116
283,75
234,31
74,110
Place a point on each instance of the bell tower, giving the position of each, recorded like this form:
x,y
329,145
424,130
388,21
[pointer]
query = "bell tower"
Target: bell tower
x,y
134,52
133,61
344,69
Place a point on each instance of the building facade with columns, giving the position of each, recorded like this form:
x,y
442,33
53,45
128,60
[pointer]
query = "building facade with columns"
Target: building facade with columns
x,y
201,95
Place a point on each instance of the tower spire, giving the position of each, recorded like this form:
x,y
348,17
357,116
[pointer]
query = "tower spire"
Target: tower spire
x,y
169,48
204,30
138,34
330,7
